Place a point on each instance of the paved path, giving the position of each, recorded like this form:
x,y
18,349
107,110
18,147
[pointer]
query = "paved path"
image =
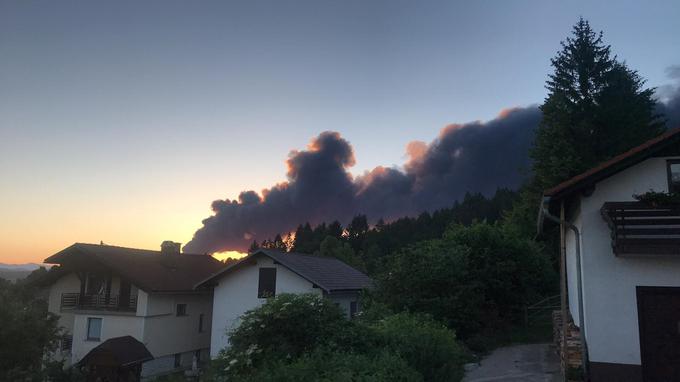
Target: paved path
x,y
527,363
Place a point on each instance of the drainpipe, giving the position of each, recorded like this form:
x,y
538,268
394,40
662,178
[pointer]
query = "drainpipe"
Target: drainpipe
x,y
579,284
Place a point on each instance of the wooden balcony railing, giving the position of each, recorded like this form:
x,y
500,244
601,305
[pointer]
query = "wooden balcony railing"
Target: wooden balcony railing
x,y
642,229
98,302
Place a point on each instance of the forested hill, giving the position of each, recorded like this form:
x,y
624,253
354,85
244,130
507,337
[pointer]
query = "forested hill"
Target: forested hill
x,y
372,244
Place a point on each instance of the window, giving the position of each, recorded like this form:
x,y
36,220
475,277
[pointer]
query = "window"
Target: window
x,y
66,343
674,175
94,329
178,360
352,309
200,323
267,284
197,354
181,310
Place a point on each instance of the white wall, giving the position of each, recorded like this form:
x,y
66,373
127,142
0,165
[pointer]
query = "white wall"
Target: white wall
x,y
69,283
610,302
112,326
169,334
236,293
155,305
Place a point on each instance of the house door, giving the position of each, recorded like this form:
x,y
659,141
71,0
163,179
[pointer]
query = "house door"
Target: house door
x,y
659,322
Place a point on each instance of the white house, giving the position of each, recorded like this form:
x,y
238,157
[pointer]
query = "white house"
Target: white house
x,y
621,262
103,294
247,284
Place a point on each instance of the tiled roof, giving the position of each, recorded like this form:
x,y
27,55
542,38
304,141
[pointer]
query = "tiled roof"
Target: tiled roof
x,y
328,273
616,164
150,270
122,351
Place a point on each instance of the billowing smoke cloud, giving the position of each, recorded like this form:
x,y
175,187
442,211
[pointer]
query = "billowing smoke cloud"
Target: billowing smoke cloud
x,y
477,156
669,97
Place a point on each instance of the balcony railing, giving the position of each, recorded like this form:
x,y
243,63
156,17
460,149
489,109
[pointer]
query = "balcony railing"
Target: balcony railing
x,y
98,302
642,229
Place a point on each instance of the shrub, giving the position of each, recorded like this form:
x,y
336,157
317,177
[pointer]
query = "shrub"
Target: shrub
x,y
510,270
307,338
289,324
335,366
284,327
434,277
655,198
474,279
427,346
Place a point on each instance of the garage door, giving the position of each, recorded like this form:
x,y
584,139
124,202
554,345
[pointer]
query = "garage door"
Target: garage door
x,y
659,322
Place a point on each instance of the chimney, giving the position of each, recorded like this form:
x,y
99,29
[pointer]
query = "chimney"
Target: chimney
x,y
170,248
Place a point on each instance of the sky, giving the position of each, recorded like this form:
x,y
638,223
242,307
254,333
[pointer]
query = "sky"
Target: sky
x,y
122,121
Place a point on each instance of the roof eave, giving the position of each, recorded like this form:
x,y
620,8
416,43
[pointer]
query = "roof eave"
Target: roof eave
x,y
618,164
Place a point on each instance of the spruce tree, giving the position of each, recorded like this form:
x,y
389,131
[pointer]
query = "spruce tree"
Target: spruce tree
x,y
596,108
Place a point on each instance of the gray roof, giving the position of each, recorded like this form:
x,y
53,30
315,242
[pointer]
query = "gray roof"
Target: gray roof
x,y
149,270
327,273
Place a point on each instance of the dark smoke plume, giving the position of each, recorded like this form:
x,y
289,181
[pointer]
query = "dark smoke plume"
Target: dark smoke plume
x,y
476,157
669,98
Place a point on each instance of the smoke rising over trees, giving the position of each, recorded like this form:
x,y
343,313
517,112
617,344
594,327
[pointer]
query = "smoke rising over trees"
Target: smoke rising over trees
x,y
475,157
596,108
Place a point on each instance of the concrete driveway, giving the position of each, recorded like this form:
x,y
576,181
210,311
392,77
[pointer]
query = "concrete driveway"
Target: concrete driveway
x,y
527,363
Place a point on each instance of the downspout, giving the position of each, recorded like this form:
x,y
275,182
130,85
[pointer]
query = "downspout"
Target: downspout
x,y
577,235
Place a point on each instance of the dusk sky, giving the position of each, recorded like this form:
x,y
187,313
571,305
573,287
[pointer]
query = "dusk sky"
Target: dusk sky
x,y
123,121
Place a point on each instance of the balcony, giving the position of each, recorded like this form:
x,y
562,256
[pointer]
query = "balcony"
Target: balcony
x,y
76,301
639,228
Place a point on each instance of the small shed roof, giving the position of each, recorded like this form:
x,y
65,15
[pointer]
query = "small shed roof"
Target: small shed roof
x,y
118,351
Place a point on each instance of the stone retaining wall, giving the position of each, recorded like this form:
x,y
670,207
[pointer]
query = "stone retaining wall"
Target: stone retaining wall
x,y
570,361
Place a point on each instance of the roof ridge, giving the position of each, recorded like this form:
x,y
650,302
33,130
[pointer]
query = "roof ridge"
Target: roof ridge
x,y
155,251
299,254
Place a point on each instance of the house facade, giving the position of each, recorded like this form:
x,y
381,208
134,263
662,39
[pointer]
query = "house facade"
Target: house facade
x,y
265,273
103,292
621,263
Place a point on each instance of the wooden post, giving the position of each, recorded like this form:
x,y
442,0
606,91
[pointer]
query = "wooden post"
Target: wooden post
x,y
563,286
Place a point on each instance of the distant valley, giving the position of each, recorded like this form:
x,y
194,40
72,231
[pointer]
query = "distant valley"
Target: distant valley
x,y
13,272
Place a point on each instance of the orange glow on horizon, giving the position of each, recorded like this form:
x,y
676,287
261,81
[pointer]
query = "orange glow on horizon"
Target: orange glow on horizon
x,y
221,256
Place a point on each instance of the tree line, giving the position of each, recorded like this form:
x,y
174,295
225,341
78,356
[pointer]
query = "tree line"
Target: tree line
x,y
368,246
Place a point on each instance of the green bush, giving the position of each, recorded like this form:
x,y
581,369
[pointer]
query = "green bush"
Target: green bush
x,y
285,327
476,279
306,338
335,366
434,277
655,198
426,345
289,324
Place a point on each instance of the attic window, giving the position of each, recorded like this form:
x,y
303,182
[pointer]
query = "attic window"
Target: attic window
x,y
674,176
267,284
